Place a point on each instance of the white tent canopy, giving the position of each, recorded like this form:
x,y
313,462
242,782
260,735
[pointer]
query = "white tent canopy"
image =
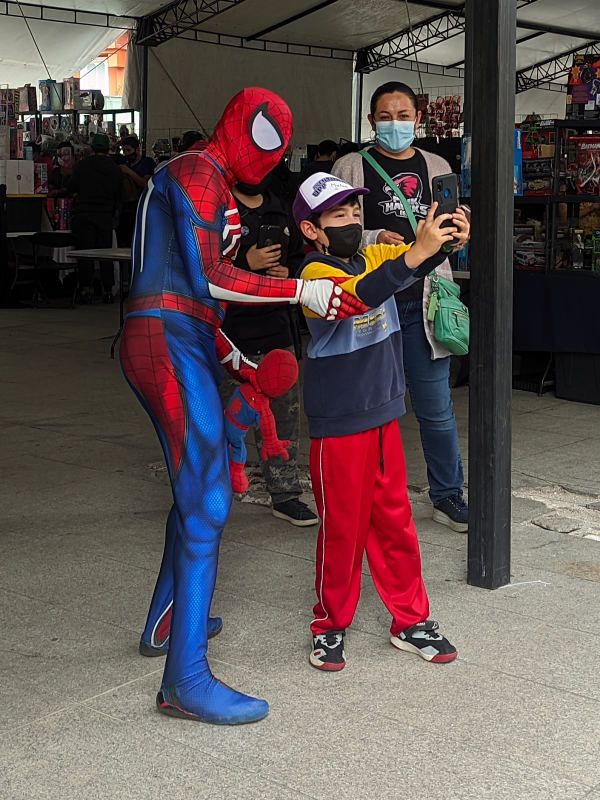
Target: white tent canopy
x,y
68,37
273,42
340,24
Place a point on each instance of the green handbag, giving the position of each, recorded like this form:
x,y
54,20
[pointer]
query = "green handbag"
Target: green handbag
x,y
450,317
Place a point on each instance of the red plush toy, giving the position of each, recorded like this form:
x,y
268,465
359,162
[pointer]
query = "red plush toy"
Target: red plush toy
x,y
249,405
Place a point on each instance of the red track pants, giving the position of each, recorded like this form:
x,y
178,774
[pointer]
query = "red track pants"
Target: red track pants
x,y
359,482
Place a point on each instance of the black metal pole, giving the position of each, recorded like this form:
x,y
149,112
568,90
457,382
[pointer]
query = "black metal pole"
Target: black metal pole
x,y
144,108
358,108
468,79
491,62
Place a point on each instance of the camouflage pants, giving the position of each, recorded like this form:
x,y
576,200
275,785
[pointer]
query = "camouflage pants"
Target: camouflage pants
x,y
281,477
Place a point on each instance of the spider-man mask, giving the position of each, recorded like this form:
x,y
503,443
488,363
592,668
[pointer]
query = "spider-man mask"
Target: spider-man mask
x,y
253,133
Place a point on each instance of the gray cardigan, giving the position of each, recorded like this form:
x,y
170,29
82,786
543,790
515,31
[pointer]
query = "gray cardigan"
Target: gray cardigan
x,y
350,169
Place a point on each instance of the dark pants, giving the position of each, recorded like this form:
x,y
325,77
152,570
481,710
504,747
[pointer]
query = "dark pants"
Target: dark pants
x,y
429,386
126,225
93,231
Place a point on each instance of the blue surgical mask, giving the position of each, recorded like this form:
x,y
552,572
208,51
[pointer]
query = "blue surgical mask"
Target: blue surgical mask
x,y
395,136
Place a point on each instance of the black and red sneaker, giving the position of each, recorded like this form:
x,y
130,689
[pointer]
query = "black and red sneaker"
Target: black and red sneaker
x,y
328,651
424,640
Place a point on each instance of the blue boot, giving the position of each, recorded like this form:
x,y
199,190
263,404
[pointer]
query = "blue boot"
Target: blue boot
x,y
215,626
208,700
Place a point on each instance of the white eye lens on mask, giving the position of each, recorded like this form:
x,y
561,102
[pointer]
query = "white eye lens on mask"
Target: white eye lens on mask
x,y
395,136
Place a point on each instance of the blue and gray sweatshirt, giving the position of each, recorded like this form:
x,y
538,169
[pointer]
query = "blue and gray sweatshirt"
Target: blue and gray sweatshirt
x,y
354,374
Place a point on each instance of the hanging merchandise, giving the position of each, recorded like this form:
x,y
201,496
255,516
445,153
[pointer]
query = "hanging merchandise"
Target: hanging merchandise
x,y
583,92
444,116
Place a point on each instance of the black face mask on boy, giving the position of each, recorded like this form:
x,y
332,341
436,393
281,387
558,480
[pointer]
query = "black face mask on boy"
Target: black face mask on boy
x,y
345,240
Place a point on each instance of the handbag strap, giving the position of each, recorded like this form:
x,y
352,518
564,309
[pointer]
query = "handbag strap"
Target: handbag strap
x,y
397,191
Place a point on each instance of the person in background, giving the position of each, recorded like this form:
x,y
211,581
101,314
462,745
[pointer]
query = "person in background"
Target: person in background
x,y
96,188
192,140
60,176
327,152
394,119
346,148
123,134
41,157
136,172
257,330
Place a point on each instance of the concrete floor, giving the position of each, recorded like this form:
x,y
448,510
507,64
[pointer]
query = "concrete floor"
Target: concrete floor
x,y
83,502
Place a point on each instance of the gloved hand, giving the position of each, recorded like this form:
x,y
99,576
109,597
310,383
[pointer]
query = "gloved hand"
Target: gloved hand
x,y
277,448
328,300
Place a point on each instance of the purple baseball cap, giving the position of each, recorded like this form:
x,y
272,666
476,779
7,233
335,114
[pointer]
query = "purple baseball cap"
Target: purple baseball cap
x,y
321,192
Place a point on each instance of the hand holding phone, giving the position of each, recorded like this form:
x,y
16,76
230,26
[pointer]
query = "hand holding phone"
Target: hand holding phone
x,y
445,194
432,235
269,235
263,258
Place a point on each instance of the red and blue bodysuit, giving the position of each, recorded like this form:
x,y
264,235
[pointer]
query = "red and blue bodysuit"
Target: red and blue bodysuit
x,y
186,233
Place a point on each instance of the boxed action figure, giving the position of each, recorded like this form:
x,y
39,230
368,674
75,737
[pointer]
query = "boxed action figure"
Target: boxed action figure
x,y
27,99
583,93
583,170
40,178
52,95
71,93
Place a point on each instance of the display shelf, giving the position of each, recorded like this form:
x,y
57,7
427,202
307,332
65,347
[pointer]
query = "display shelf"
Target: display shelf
x,y
576,198
106,114
577,124
531,199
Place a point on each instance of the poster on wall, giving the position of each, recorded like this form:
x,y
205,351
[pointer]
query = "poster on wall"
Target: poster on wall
x,y
583,92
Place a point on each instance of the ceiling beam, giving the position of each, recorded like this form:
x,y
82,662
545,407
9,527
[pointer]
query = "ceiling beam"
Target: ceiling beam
x,y
523,39
407,42
410,41
69,16
301,15
557,30
179,17
550,69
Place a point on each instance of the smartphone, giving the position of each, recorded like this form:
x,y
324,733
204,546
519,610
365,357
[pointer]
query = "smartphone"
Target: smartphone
x,y
273,234
445,194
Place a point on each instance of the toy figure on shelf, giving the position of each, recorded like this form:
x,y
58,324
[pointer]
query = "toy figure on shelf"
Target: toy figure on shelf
x,y
249,406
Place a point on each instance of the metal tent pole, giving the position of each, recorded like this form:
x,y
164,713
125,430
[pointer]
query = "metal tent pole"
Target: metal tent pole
x,y
491,58
144,108
358,106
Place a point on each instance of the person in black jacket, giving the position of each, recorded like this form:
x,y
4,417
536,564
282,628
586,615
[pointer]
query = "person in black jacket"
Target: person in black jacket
x,y
96,187
257,330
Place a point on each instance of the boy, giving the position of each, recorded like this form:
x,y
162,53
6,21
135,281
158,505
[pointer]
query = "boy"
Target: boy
x,y
353,395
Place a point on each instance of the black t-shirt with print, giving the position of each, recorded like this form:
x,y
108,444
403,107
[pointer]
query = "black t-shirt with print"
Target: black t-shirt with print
x,y
383,209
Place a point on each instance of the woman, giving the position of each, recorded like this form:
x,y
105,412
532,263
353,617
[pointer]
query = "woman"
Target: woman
x,y
394,119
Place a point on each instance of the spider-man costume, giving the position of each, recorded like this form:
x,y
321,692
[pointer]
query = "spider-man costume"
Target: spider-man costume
x,y
187,231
